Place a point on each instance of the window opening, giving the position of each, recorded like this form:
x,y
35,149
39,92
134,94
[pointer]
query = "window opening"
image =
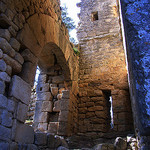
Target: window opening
x,y
95,16
108,97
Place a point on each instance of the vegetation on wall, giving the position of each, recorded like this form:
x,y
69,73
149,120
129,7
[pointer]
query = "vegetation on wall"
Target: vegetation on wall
x,y
68,21
70,25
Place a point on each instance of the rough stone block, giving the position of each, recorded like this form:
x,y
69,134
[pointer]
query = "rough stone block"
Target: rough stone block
x,y
2,87
12,31
11,105
14,128
5,77
53,127
63,128
42,78
4,21
20,89
42,127
58,79
53,142
66,94
32,147
9,70
38,110
5,133
16,67
64,104
3,101
2,7
5,46
1,53
28,72
24,134
15,44
9,14
40,138
44,96
45,87
13,146
4,33
63,116
57,106
7,119
62,148
39,115
22,112
28,56
47,106
2,65
19,58
54,91
53,85
4,146
61,86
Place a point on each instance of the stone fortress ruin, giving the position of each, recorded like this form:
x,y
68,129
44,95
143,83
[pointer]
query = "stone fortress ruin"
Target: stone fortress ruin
x,y
84,101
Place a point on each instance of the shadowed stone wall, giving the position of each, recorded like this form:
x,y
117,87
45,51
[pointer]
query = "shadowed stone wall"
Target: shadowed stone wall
x,y
102,70
31,34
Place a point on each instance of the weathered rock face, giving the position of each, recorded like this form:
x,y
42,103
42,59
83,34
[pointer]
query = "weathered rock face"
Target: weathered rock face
x,y
103,71
137,28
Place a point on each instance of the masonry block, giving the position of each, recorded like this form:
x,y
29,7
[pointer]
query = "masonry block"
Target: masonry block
x,y
4,146
16,66
5,133
41,117
64,104
2,65
12,104
4,77
5,46
15,44
57,106
63,128
40,138
53,127
63,116
20,89
2,87
58,79
29,57
44,96
4,33
22,112
24,134
47,106
3,101
66,94
42,126
7,118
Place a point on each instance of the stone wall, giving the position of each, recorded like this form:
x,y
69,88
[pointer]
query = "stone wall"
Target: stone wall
x,y
102,70
31,34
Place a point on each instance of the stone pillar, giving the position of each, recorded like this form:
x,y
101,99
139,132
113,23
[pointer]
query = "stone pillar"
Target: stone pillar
x,y
136,26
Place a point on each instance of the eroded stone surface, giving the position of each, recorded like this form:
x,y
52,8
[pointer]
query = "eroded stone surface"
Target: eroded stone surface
x,y
16,87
